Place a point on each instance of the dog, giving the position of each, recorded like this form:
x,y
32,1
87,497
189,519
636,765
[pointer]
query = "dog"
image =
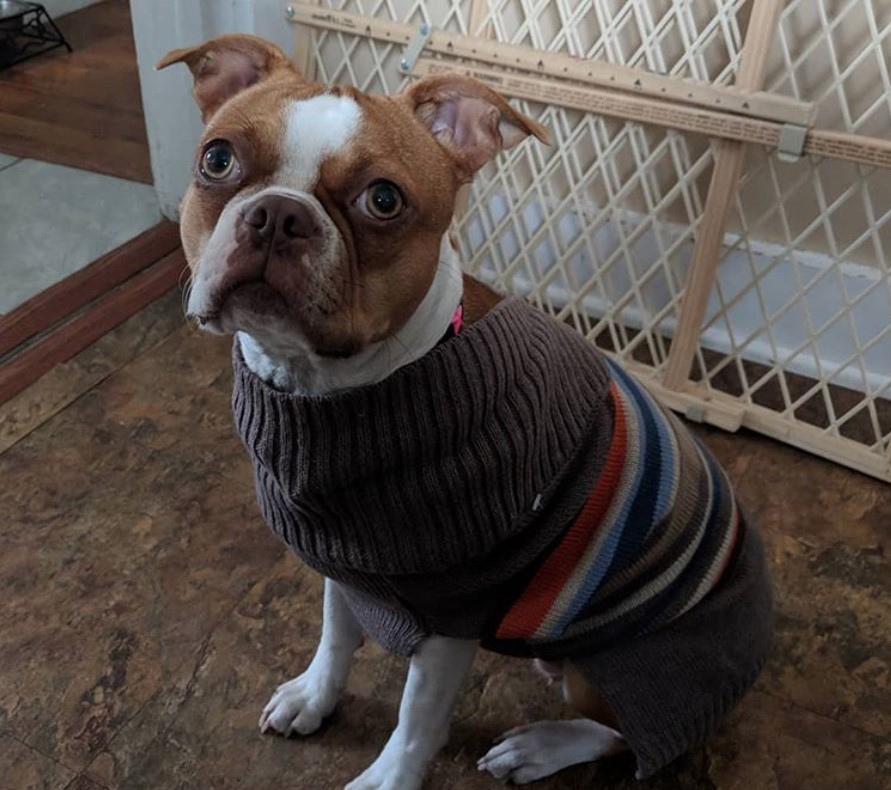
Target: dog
x,y
463,469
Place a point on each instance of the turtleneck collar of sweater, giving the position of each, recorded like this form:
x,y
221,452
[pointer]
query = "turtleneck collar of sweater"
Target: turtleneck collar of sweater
x,y
436,464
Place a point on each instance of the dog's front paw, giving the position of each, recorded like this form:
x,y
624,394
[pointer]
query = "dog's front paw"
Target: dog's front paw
x,y
534,751
301,704
379,778
392,770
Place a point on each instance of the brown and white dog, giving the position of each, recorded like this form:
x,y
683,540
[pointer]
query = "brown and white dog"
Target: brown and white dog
x,y
317,230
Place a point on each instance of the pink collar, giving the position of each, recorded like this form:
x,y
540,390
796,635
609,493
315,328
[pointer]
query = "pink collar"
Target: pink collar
x,y
457,322
455,325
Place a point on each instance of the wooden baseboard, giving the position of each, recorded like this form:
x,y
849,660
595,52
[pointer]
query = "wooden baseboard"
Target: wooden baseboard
x,y
66,297
100,317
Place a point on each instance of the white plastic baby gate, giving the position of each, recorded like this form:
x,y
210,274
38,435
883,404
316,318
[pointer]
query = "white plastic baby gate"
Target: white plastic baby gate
x,y
744,287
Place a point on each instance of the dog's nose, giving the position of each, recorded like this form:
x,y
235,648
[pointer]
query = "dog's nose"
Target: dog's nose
x,y
278,219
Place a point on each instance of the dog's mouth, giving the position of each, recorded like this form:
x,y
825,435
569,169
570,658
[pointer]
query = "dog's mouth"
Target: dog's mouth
x,y
237,302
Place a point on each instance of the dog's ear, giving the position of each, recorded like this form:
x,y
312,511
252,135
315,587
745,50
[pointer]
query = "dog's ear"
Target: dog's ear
x,y
226,65
469,119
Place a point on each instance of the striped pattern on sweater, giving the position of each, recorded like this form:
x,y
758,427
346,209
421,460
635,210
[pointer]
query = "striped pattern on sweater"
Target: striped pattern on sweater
x,y
660,520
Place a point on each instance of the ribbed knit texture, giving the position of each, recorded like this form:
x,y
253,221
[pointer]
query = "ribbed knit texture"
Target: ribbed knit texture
x,y
515,487
457,455
440,463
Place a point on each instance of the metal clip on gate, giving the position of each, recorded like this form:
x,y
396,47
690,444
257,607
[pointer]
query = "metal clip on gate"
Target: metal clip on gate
x,y
792,142
415,48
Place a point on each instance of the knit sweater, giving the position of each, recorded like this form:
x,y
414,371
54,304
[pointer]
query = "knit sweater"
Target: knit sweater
x,y
512,486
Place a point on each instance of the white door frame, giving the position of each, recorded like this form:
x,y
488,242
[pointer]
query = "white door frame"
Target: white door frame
x,y
172,120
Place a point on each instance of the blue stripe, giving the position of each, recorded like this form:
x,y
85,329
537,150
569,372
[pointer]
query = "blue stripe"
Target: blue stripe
x,y
663,451
645,504
603,560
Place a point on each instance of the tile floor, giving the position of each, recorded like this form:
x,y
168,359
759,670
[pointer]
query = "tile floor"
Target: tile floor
x,y
147,614
57,220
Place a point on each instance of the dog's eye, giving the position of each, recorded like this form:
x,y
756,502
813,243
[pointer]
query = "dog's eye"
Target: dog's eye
x,y
381,200
218,160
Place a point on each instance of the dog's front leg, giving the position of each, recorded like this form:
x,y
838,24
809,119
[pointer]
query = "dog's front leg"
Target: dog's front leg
x,y
301,704
435,675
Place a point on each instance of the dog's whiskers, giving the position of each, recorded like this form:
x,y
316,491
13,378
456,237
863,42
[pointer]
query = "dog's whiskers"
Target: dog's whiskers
x,y
185,285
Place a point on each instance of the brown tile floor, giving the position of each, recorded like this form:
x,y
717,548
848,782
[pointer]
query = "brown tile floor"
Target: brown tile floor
x,y
147,614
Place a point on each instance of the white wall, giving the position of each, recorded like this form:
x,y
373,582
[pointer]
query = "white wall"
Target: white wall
x,y
172,120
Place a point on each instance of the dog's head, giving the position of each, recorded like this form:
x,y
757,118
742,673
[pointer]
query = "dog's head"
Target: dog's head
x,y
316,214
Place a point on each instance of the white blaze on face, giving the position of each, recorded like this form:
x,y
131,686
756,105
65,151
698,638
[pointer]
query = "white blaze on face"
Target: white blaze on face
x,y
314,129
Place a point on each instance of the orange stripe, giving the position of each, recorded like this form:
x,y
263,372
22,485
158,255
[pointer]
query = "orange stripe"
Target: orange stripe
x,y
526,615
